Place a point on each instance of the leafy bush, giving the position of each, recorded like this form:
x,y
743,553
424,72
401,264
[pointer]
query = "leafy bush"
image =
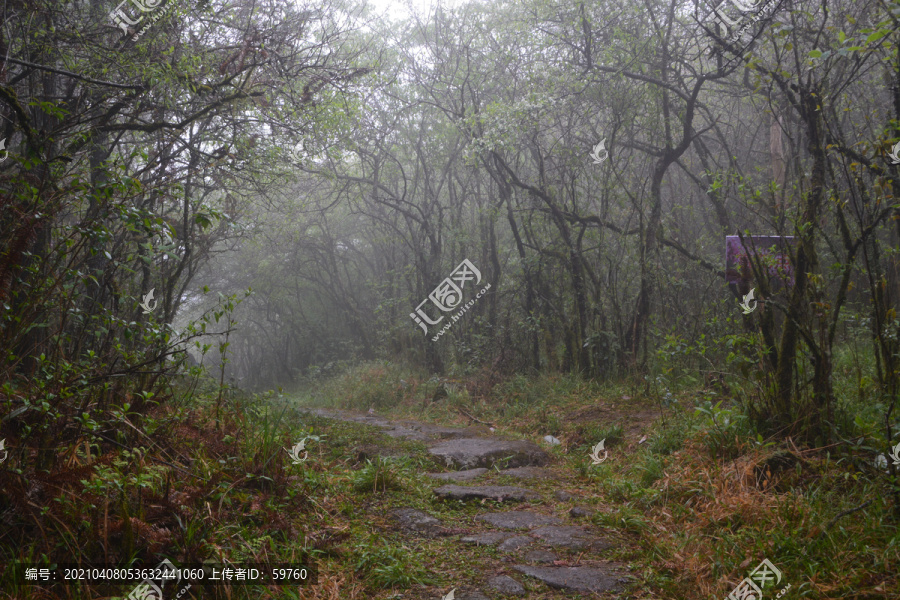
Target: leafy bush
x,y
723,430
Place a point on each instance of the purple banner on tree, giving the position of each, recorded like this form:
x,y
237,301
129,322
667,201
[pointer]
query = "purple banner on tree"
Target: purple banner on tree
x,y
769,252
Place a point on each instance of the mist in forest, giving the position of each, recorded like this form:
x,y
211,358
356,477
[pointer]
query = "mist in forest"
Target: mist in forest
x,y
339,161
203,199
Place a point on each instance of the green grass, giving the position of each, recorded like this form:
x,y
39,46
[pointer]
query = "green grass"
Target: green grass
x,y
611,433
387,565
378,475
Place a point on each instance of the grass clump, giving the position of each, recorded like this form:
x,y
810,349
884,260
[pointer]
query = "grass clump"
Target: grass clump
x,y
379,475
650,468
385,565
613,434
667,440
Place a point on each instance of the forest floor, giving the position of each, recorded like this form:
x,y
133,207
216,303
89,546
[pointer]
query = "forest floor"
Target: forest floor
x,y
689,503
388,500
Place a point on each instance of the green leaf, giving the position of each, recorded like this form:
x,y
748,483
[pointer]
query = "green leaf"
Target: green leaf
x,y
202,220
877,36
815,53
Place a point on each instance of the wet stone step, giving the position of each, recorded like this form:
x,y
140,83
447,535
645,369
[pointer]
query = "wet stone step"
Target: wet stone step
x,y
467,475
491,538
423,432
415,521
515,543
479,452
578,579
572,538
500,493
410,430
470,595
506,585
518,519
540,556
529,473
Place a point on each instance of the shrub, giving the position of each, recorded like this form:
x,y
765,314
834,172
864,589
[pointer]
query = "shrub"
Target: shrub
x,y
723,430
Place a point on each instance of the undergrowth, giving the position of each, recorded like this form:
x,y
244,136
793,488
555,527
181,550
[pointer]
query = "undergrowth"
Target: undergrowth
x,y
706,496
696,499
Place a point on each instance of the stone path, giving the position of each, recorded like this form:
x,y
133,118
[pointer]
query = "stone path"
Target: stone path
x,y
563,553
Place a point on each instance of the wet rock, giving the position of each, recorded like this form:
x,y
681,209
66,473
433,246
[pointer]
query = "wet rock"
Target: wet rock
x,y
479,452
579,512
562,495
506,585
436,432
485,539
515,543
573,538
471,595
578,579
529,473
407,434
518,519
418,522
467,475
501,493
410,430
340,415
541,556
479,430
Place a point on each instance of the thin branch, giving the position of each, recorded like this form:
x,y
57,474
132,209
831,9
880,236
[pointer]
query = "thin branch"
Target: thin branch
x,y
76,75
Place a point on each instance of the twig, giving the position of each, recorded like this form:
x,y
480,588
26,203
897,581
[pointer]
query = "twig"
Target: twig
x,y
75,75
845,513
474,419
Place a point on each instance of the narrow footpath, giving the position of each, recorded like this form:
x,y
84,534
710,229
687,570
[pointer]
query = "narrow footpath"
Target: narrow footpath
x,y
543,535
